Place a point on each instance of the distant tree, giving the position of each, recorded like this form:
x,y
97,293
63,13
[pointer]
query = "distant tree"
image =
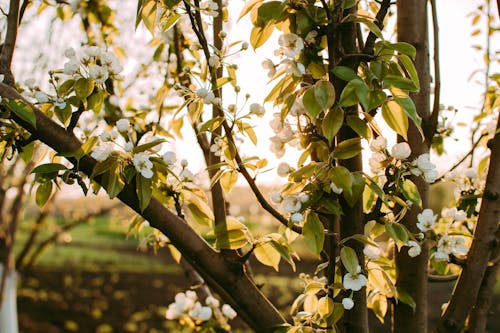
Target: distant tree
x,y
337,84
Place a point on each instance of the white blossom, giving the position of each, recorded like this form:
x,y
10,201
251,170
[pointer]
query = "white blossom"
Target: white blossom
x,y
218,147
440,256
60,103
291,204
335,188
270,67
445,244
284,169
460,216
471,173
71,67
414,249
431,176
347,303
184,163
257,109
355,281
99,74
108,136
401,151
297,218
228,311
291,45
276,197
304,197
129,146
426,220
202,313
424,163
41,97
212,301
376,162
143,164
69,53
102,151
378,144
122,125
458,246
372,252
214,61
169,158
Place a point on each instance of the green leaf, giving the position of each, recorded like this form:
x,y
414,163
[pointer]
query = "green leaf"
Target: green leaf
x,y
324,93
313,233
65,88
228,180
374,99
148,15
348,97
332,123
49,168
43,193
349,259
397,232
370,24
104,166
406,298
347,149
148,145
144,191
267,254
95,101
233,235
267,13
258,35
311,104
409,108
325,306
115,183
22,111
358,186
249,5
341,177
170,21
399,82
359,126
410,191
396,118
84,87
64,114
403,48
345,73
410,68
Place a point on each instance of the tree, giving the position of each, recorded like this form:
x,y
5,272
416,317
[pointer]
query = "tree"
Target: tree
x,y
335,78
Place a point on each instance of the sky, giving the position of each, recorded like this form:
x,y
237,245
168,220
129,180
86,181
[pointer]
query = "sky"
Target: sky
x,y
457,59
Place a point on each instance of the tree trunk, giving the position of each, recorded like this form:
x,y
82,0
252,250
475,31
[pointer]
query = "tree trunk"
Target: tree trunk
x,y
8,304
483,245
412,272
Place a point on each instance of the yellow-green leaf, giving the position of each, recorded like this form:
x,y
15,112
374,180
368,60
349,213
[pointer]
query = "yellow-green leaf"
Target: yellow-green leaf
x,y
347,149
332,123
396,118
268,255
325,306
313,233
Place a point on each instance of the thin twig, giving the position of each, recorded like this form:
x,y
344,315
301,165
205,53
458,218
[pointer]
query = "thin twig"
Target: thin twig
x,y
379,21
462,160
433,119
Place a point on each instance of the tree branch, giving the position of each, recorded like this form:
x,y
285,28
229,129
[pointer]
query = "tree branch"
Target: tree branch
x,y
230,282
10,42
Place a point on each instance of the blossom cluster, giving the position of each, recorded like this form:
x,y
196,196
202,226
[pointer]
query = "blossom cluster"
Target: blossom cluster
x,y
188,305
398,155
121,139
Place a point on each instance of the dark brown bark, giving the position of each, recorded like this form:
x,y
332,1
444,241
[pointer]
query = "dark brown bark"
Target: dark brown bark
x,y
412,272
227,279
481,311
483,245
